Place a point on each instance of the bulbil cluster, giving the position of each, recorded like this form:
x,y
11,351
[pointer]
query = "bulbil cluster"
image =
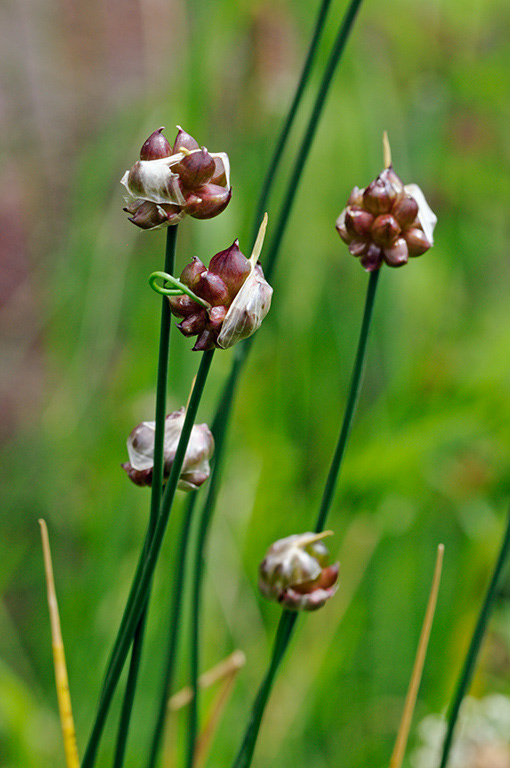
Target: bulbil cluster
x,y
386,222
237,295
296,572
170,182
195,469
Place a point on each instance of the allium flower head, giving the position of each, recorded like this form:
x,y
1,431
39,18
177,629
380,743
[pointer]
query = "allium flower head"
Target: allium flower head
x,y
195,469
168,183
236,291
387,222
482,738
296,574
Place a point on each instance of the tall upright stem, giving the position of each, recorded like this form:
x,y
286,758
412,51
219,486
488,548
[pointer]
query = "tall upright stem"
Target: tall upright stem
x,y
466,674
242,350
138,596
156,492
288,620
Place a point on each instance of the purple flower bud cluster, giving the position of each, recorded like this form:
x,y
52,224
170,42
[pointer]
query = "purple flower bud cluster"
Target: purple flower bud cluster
x,y
386,222
168,183
296,572
237,294
195,469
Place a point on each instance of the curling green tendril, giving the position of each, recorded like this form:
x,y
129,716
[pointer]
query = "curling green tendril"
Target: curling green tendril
x,y
178,290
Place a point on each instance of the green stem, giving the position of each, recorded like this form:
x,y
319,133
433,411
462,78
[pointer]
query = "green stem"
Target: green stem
x,y
352,401
245,754
156,492
282,139
474,647
282,639
342,37
137,599
174,629
242,349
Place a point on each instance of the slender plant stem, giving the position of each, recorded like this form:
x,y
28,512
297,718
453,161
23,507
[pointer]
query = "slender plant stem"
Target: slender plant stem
x,y
242,349
137,599
341,39
282,639
357,374
156,493
466,674
173,637
245,754
272,170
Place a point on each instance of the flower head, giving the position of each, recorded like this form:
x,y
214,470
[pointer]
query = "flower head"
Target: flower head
x,y
482,739
387,222
168,183
295,572
236,294
195,469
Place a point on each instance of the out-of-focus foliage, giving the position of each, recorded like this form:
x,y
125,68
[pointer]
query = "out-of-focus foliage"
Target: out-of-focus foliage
x,y
81,86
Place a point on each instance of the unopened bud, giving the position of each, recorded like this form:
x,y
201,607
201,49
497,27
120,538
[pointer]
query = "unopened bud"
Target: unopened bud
x,y
184,140
196,169
296,574
416,241
156,146
385,230
358,222
207,201
397,254
233,267
148,215
248,309
195,469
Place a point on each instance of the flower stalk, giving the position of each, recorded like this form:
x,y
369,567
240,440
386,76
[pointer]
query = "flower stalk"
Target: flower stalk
x,y
468,668
138,596
156,492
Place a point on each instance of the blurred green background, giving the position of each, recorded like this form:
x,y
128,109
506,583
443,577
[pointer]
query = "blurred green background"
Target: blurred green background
x,y
81,87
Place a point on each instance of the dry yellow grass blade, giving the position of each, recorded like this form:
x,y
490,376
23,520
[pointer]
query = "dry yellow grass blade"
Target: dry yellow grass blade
x,y
62,683
407,715
226,671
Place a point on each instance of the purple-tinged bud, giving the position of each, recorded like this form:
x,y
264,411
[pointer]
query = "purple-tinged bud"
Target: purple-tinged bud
x,y
342,229
372,260
205,341
220,176
389,176
190,275
417,242
358,222
156,146
207,201
183,306
148,215
183,140
195,469
385,230
397,254
296,574
379,196
356,197
212,288
405,211
232,266
193,324
216,317
357,247
195,169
